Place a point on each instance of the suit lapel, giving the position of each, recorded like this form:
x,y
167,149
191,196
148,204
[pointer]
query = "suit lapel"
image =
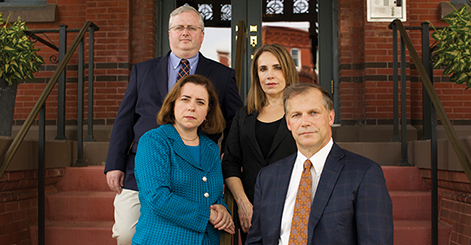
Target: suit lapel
x,y
250,127
280,183
161,76
207,154
204,67
180,148
279,136
330,174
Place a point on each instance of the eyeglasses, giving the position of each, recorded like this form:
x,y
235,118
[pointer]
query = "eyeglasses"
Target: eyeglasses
x,y
180,28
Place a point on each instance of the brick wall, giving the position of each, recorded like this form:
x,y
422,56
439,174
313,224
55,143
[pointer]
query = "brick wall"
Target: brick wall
x,y
127,36
19,203
365,56
454,203
352,35
113,47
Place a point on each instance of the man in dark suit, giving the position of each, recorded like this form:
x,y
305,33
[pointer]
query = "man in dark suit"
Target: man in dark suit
x,y
348,200
149,83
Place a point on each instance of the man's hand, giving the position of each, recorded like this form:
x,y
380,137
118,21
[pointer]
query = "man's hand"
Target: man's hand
x,y
115,180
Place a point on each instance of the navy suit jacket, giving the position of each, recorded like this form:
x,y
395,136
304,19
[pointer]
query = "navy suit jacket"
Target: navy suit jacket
x,y
145,94
351,206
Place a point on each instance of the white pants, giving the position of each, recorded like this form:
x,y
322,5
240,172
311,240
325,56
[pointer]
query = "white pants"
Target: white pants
x,y
126,213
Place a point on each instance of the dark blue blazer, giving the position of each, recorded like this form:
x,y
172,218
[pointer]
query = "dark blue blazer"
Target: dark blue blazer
x,y
351,206
145,94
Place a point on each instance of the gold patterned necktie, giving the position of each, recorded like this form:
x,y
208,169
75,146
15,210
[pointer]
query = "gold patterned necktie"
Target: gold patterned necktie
x,y
302,207
184,69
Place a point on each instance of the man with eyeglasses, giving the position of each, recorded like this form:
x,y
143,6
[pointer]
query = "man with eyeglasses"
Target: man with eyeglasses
x,y
149,83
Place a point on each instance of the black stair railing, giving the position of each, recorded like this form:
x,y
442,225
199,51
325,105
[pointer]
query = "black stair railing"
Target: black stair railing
x,y
60,132
39,109
432,106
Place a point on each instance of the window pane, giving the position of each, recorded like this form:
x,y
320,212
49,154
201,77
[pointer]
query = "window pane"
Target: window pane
x,y
296,57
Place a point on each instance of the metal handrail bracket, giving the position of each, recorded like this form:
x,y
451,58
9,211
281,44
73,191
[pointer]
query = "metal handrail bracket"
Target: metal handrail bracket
x,y
454,140
42,99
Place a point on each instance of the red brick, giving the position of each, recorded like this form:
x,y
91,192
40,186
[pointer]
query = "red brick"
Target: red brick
x,y
11,206
16,175
6,218
19,215
10,238
463,239
465,219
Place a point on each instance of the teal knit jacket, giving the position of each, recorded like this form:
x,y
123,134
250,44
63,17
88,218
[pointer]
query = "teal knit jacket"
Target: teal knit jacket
x,y
175,192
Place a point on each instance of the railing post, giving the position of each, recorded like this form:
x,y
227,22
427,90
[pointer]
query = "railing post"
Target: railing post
x,y
430,128
426,102
404,157
91,43
395,88
436,109
79,161
41,176
61,85
434,174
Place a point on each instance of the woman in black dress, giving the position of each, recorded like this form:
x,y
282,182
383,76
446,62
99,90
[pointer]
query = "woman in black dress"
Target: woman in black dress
x,y
259,135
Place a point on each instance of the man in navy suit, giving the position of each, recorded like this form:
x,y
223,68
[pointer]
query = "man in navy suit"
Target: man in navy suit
x,y
149,83
350,202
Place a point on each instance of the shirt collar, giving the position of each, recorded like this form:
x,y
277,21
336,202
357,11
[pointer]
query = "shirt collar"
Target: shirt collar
x,y
175,60
318,159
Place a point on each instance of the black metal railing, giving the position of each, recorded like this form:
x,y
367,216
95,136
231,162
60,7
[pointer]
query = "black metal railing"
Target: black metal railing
x,y
61,49
39,109
431,106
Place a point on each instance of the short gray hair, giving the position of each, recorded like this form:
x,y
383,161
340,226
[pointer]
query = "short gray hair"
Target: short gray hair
x,y
185,8
302,88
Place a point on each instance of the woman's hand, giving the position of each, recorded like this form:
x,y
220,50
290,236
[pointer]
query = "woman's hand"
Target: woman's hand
x,y
221,219
245,215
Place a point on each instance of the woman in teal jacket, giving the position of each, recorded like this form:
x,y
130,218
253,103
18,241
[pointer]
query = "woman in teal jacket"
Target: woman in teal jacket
x,y
178,170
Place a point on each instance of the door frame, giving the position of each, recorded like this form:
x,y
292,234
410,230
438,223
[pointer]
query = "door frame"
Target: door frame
x,y
252,15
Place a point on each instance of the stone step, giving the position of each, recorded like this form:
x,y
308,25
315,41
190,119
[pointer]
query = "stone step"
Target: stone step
x,y
82,211
89,178
411,205
80,206
400,178
75,233
418,232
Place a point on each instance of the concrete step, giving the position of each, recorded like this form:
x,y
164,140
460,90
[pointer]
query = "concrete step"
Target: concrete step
x,y
400,178
411,205
80,206
75,233
82,211
384,153
89,178
419,232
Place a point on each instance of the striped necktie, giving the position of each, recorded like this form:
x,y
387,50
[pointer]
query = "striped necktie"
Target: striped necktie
x,y
302,208
184,69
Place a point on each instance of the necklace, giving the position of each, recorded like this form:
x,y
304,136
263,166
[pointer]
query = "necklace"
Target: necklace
x,y
188,139
272,106
184,138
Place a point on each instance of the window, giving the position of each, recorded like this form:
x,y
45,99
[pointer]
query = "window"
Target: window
x,y
296,55
22,2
